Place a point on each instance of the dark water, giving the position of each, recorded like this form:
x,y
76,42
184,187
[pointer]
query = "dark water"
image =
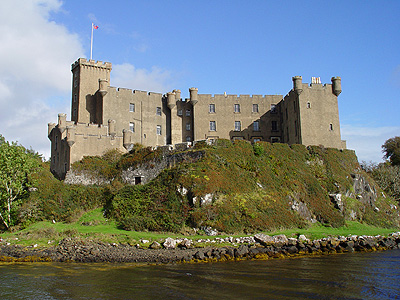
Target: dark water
x,y
346,276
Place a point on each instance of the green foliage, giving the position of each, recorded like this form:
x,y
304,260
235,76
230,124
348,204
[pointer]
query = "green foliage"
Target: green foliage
x,y
104,166
155,207
388,179
391,148
16,164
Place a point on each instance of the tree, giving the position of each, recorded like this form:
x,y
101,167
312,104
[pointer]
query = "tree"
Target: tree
x,y
16,163
391,148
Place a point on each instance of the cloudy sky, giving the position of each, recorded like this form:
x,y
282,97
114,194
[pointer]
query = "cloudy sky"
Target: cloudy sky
x,y
238,47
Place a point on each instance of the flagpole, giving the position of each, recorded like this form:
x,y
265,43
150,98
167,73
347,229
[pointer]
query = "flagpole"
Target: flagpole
x,y
91,43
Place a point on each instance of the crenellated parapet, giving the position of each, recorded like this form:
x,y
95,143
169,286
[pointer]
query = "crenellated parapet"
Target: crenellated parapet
x,y
91,63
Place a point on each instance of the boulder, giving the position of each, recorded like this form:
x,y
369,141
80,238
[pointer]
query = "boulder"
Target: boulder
x,y
263,239
155,245
280,240
169,243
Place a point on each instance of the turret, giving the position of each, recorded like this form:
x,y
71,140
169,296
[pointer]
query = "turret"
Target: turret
x,y
103,85
127,137
62,122
111,128
171,101
177,94
50,127
336,85
193,95
297,84
71,135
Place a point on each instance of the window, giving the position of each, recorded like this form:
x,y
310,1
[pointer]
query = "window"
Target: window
x,y
236,108
75,97
212,109
255,108
75,82
273,108
274,125
286,114
158,129
55,143
74,113
238,126
131,107
188,139
255,140
158,112
295,128
213,126
308,105
132,127
188,113
275,139
256,126
187,126
331,127
180,112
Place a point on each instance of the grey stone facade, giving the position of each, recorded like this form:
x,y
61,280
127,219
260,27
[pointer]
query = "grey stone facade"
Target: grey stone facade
x,y
104,117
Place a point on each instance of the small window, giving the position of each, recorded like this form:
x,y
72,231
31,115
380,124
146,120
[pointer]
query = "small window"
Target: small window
x,y
75,82
255,140
131,107
74,113
188,113
187,126
158,129
255,108
180,112
256,126
158,112
273,108
132,126
308,105
286,114
188,139
75,98
275,139
331,127
274,125
213,126
238,126
295,128
236,108
212,109
55,142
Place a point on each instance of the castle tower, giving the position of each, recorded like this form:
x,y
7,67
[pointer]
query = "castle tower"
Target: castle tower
x,y
87,75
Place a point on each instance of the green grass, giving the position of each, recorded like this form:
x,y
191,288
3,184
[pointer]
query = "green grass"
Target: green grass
x,y
47,233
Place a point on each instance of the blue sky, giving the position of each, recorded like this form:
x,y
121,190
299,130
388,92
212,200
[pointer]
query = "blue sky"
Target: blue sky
x,y
238,47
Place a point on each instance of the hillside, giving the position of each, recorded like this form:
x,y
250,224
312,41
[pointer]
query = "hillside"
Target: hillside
x,y
236,187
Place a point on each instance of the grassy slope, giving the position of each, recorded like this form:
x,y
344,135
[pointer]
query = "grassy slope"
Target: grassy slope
x,y
46,233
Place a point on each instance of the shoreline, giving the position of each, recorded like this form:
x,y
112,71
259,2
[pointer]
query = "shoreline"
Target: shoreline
x,y
259,246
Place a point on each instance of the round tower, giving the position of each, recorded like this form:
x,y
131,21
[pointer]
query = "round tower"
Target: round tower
x,y
297,84
171,100
336,85
103,86
62,122
71,135
177,94
193,95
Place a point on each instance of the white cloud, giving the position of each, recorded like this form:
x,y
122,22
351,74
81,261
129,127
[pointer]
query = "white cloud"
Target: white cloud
x,y
35,77
126,75
368,141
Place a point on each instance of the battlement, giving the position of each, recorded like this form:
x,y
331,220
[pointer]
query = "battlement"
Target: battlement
x,y
91,63
240,97
131,91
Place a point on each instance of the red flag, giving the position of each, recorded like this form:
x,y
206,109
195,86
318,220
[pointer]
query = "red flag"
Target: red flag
x,y
95,27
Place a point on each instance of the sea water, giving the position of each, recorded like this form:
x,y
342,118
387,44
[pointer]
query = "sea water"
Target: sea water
x,y
373,275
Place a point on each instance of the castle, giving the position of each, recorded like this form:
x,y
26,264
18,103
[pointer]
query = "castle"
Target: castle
x,y
105,117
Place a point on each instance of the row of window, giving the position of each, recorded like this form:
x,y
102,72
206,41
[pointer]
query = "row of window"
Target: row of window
x,y
211,109
236,108
238,126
